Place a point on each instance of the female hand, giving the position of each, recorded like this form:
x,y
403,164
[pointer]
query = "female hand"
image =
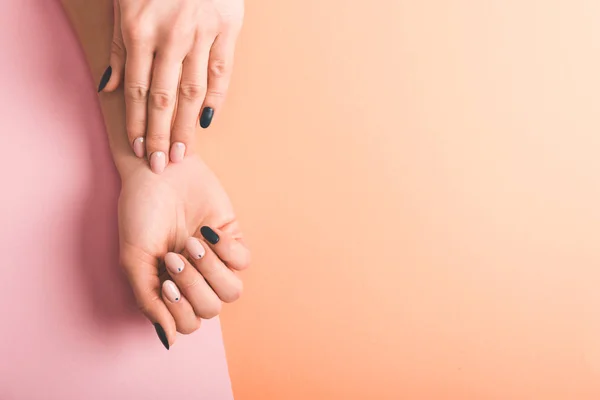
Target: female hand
x,y
180,244
168,53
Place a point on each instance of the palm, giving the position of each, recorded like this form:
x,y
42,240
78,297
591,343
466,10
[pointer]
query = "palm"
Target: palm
x,y
157,213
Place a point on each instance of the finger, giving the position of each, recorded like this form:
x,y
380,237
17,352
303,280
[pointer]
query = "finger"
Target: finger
x,y
233,252
203,299
221,279
192,90
161,105
145,282
220,65
138,69
114,73
181,310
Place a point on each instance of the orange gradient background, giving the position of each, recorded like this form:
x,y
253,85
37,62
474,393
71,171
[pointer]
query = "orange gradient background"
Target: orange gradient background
x,y
420,184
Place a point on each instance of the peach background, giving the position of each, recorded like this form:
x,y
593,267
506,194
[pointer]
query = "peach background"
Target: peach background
x,y
68,326
420,182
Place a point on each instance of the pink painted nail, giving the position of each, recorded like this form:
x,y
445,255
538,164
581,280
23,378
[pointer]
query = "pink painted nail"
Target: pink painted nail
x,y
138,147
158,162
177,152
174,263
195,248
171,291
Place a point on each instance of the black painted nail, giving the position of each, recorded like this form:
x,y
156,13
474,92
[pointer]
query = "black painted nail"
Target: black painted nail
x,y
105,79
209,235
206,117
162,335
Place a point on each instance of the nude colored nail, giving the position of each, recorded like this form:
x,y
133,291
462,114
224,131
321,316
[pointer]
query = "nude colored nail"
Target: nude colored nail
x,y
138,147
174,263
195,248
171,291
158,162
177,152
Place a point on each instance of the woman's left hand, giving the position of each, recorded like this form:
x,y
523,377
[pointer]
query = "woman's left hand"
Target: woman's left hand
x,y
167,53
185,211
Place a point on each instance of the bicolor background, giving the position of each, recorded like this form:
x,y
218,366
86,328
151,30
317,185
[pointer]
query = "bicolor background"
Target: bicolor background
x,y
419,183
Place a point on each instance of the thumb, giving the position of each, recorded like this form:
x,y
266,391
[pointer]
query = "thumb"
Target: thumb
x,y
142,272
113,75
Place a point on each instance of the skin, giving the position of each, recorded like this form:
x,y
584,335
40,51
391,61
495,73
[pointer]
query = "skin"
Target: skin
x,y
169,54
159,213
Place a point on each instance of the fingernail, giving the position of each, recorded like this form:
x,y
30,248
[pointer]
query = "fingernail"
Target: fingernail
x,y
157,162
171,291
177,152
210,235
206,117
195,248
138,147
162,335
174,264
105,78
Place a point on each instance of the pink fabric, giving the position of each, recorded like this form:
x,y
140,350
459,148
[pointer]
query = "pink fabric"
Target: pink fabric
x,y
69,329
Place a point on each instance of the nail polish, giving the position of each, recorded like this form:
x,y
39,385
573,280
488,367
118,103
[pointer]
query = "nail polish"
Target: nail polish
x,y
162,335
105,78
171,292
195,248
158,162
210,235
206,117
177,152
174,263
138,147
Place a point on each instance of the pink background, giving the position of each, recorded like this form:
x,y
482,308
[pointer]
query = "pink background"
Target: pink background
x,y
69,328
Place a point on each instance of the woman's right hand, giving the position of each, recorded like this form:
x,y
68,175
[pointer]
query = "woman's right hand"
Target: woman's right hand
x,y
180,244
174,59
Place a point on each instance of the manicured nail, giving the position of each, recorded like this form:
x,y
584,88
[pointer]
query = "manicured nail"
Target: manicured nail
x,y
138,147
174,263
171,291
210,235
195,248
162,335
206,117
105,78
177,152
158,162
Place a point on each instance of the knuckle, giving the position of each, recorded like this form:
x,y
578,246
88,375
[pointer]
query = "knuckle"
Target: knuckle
x,y
192,284
234,293
135,31
136,128
192,91
244,264
157,140
233,25
215,93
173,37
137,92
219,67
188,327
209,29
210,271
145,306
183,132
161,99
117,47
211,310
